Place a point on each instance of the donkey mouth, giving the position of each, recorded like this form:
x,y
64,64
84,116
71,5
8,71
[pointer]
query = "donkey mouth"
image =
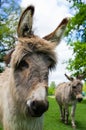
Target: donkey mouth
x,y
33,114
36,113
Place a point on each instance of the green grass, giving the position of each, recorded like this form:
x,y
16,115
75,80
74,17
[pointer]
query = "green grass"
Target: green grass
x,y
52,117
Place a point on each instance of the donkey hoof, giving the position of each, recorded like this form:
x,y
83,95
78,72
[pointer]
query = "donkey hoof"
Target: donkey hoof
x,y
73,126
66,122
62,119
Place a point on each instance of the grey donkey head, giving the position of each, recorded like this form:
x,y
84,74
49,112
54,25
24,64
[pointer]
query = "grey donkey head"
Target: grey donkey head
x,y
76,86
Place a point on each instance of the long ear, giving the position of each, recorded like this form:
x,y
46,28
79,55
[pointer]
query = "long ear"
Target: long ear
x,y
69,78
81,76
56,35
25,23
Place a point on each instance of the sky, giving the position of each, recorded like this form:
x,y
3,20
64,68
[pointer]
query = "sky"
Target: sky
x,y
48,14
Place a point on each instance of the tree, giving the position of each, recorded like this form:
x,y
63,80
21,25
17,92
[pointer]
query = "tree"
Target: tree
x,y
51,89
52,84
76,38
9,15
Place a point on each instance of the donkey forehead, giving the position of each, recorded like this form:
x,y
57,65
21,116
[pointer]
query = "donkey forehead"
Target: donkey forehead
x,y
33,45
36,44
37,59
77,82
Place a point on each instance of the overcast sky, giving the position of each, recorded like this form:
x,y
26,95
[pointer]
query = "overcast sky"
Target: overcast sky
x,y
48,14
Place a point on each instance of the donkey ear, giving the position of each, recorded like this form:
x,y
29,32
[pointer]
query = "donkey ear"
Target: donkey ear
x,y
81,76
56,35
69,78
25,23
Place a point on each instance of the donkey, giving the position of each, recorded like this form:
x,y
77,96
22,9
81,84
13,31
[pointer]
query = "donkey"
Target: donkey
x,y
67,94
24,85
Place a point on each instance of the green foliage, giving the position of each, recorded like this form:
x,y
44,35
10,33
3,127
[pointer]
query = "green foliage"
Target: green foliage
x,y
9,11
9,15
76,38
77,25
84,87
52,117
1,69
51,89
78,64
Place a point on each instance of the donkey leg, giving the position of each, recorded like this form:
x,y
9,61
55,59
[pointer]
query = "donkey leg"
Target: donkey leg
x,y
66,115
61,113
73,115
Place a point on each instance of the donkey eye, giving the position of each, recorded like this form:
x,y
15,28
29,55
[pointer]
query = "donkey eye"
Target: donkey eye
x,y
51,65
74,87
22,65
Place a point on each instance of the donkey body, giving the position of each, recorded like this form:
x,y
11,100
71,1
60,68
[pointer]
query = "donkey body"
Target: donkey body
x,y
23,86
68,93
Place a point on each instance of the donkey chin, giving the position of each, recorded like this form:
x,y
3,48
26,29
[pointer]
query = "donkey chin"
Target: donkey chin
x,y
37,108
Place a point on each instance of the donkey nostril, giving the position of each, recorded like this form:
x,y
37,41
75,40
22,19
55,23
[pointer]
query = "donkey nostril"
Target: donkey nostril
x,y
33,105
79,99
39,107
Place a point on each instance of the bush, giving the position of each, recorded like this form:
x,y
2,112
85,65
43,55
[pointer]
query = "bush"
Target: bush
x,y
84,87
51,91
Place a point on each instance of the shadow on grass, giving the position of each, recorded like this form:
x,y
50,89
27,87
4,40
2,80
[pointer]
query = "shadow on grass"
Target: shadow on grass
x,y
79,125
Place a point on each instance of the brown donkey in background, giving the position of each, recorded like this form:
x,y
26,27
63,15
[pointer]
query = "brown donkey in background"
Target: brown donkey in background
x,y
23,86
68,94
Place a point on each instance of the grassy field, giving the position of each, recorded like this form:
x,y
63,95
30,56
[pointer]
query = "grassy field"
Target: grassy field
x,y
52,117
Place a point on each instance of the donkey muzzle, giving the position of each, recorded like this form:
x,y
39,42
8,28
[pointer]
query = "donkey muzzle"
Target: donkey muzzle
x,y
37,108
79,97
